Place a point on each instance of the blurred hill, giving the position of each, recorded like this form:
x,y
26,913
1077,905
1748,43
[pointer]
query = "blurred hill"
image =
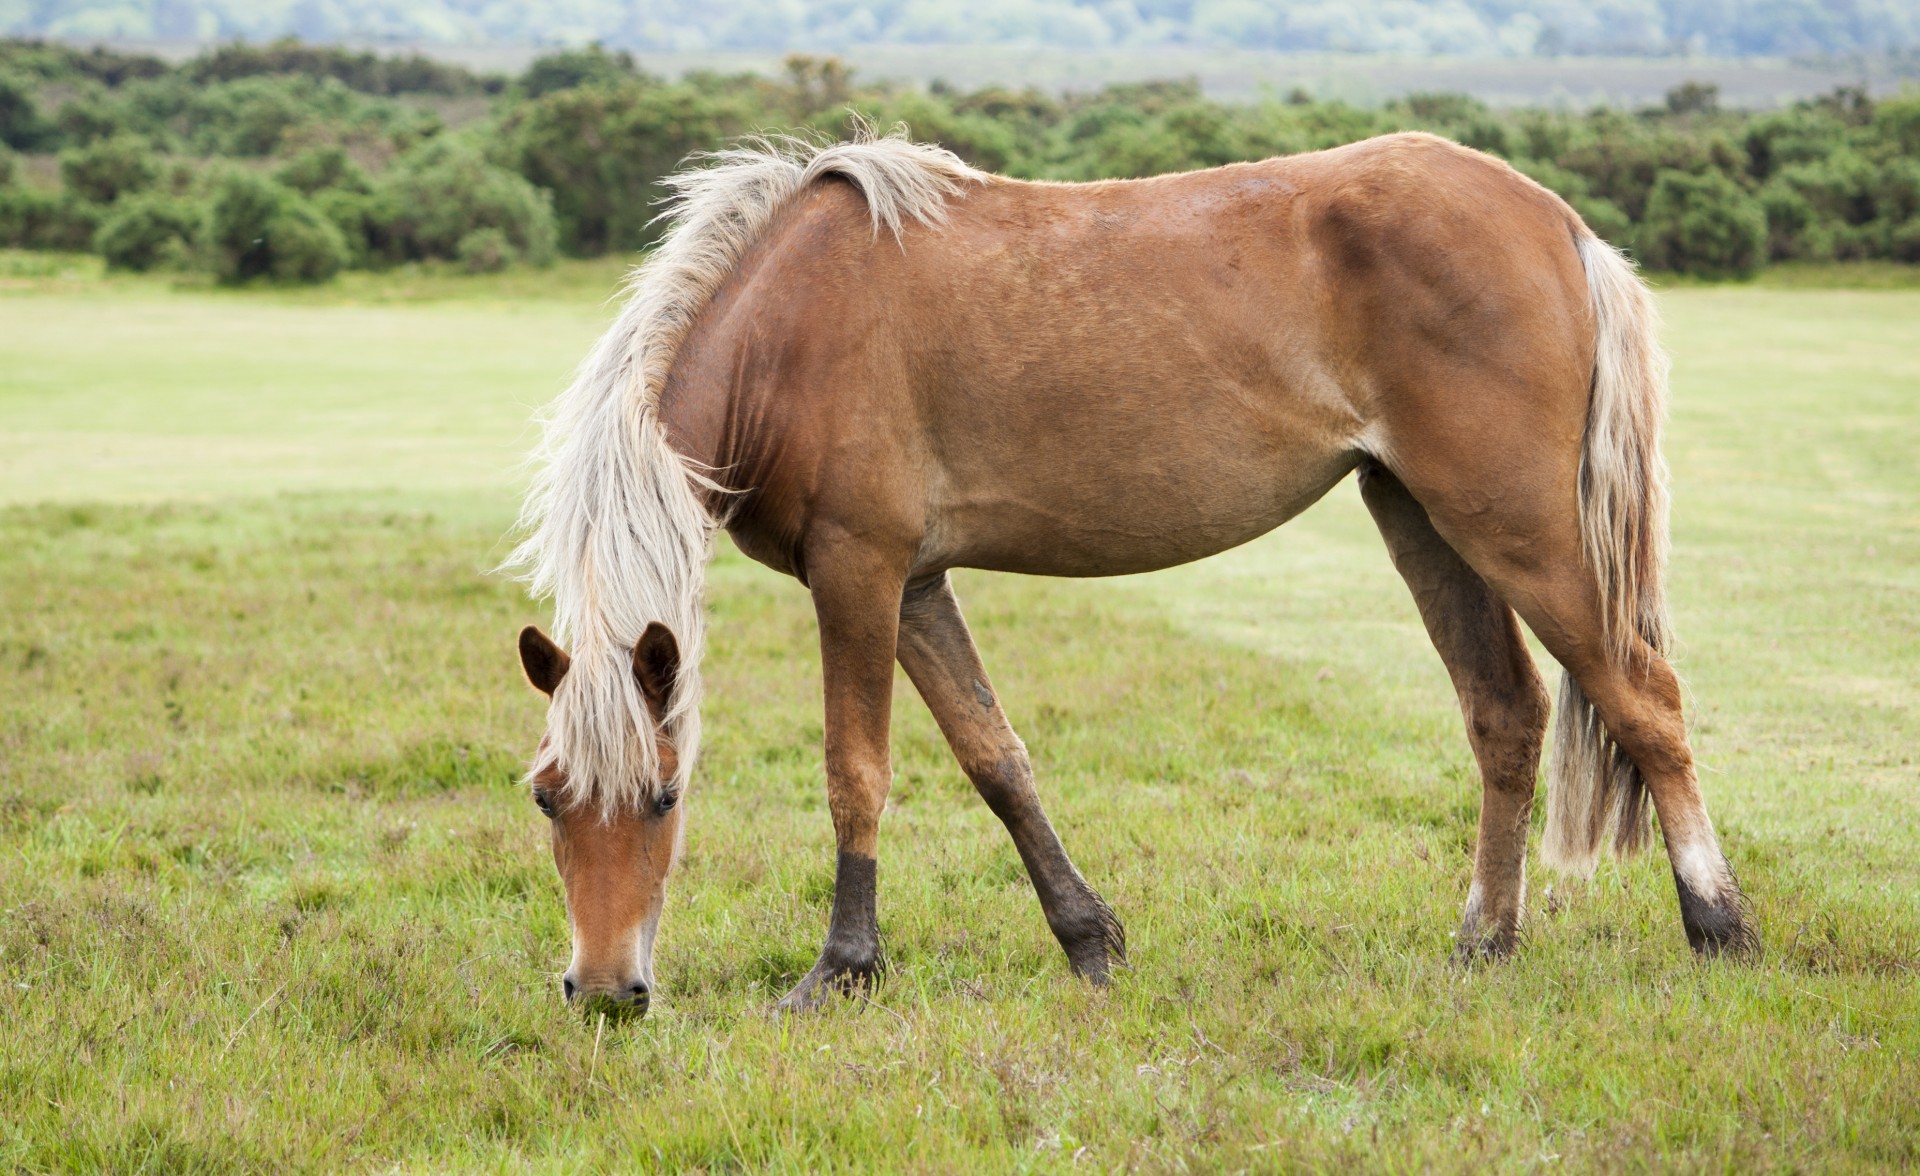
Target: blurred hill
x,y
1473,28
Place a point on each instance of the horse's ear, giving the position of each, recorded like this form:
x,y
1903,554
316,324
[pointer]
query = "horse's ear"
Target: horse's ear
x,y
544,662
656,666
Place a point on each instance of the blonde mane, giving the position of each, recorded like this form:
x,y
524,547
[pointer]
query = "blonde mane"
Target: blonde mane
x,y
615,531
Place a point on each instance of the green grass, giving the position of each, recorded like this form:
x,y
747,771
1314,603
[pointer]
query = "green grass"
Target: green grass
x,y
271,897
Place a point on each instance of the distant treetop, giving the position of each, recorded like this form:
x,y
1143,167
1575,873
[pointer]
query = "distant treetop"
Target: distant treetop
x,y
1472,27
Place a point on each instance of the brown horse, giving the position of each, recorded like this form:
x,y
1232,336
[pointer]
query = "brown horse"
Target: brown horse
x,y
871,363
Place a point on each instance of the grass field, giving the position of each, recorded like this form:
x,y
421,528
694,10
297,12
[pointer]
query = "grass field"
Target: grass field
x,y
270,896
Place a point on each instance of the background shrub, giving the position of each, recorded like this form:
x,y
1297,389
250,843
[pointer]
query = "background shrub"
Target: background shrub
x,y
1795,230
257,229
1904,241
602,150
149,230
33,219
107,169
592,66
321,168
1705,225
433,197
353,214
21,123
485,251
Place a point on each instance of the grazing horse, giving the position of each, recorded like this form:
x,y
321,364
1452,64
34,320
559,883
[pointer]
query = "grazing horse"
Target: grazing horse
x,y
871,363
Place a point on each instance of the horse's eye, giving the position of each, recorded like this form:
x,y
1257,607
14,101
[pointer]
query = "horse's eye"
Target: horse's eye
x,y
544,802
665,804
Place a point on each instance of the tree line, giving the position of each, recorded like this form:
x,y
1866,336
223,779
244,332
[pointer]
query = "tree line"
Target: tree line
x,y
291,162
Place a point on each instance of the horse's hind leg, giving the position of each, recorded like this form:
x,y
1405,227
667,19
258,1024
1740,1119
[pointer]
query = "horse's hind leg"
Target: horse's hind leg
x,y
1638,702
939,655
1501,697
1532,557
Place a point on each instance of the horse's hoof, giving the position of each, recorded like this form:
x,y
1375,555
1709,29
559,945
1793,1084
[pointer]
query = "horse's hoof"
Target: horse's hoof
x,y
1731,937
1474,947
824,982
1100,948
1721,927
1093,938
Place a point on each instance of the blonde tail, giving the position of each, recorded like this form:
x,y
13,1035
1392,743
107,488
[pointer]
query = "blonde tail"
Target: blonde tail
x,y
1591,785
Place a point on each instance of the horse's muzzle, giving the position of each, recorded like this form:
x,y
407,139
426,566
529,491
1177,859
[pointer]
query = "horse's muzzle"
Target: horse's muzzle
x,y
628,999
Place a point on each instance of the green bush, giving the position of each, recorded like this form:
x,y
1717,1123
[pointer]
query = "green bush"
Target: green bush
x,y
601,151
257,229
353,214
1795,229
250,116
1783,138
321,168
21,123
306,246
107,169
1704,225
1896,122
485,251
148,230
32,219
1904,241
1622,159
258,116
435,196
1896,190
592,66
1839,186
88,116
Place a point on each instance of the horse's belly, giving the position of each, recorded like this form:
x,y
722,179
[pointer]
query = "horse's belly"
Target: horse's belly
x,y
1117,517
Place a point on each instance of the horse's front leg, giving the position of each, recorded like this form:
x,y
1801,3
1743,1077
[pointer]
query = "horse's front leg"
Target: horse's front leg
x,y
856,597
940,657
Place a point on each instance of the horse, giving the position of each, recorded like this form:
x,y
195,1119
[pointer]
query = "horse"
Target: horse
x,y
871,363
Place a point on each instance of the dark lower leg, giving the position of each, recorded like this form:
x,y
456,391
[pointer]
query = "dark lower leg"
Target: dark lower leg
x,y
1501,696
939,655
1081,920
857,601
852,948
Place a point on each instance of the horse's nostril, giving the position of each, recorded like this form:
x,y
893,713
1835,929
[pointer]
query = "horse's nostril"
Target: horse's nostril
x,y
567,986
637,993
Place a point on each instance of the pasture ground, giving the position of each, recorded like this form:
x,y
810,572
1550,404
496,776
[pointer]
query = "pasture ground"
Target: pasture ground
x,y
271,897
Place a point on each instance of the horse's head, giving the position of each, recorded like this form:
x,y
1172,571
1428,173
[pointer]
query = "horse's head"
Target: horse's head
x,y
613,863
